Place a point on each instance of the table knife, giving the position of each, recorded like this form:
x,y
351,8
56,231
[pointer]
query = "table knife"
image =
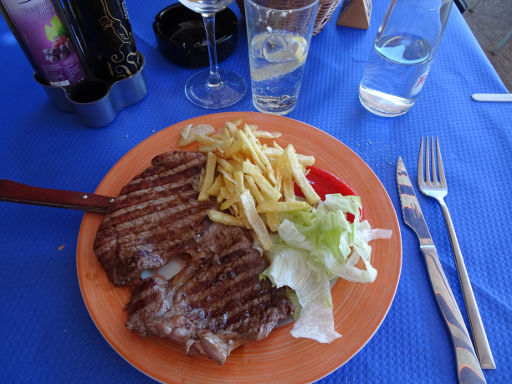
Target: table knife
x,y
499,97
468,367
27,194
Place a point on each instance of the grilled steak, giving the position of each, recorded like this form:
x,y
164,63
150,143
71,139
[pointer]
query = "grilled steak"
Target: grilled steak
x,y
155,217
217,302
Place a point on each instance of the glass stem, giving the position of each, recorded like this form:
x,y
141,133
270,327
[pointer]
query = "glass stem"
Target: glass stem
x,y
209,24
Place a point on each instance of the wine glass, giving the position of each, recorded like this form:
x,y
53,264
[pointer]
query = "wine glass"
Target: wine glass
x,y
212,88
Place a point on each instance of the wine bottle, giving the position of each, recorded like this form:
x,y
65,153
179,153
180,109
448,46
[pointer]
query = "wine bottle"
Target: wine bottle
x,y
104,30
45,40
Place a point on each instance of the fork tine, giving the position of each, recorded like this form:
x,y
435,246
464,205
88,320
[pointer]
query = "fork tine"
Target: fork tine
x,y
433,161
420,164
427,161
442,178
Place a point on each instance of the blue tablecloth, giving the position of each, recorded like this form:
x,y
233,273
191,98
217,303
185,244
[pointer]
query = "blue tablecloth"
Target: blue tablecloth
x,y
46,334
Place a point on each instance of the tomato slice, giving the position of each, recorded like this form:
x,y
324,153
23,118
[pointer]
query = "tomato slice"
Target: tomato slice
x,y
324,183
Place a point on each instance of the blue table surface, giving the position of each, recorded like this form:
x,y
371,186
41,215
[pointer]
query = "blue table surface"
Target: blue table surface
x,y
46,334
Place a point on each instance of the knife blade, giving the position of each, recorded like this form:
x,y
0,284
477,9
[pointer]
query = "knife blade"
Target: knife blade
x,y
468,366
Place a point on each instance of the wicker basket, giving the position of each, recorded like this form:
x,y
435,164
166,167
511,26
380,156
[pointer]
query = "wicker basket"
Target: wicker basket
x,y
325,11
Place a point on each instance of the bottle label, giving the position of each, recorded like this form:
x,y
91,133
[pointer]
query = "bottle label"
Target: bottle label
x,y
419,83
46,40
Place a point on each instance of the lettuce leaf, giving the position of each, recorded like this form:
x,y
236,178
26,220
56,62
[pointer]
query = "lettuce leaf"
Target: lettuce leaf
x,y
315,247
292,267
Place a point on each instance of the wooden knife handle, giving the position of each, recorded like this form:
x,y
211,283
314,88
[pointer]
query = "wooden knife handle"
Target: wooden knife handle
x,y
26,194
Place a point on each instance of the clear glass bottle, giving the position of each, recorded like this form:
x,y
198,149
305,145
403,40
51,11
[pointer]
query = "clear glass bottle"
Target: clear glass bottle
x,y
403,51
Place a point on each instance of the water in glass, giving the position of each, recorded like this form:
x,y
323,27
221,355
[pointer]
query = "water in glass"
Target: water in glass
x,y
277,61
395,73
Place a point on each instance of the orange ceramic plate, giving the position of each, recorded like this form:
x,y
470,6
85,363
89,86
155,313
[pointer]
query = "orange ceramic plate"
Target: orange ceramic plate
x,y
359,309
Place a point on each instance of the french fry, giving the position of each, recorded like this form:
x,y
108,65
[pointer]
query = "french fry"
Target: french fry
x,y
263,159
230,187
306,160
211,160
214,189
282,206
287,181
288,189
237,166
235,211
248,144
236,147
261,182
277,146
267,135
226,165
222,195
280,164
276,152
252,181
227,142
239,159
190,132
239,182
232,128
206,140
255,192
224,218
298,175
208,148
255,221
272,220
227,175
228,203
235,195
219,151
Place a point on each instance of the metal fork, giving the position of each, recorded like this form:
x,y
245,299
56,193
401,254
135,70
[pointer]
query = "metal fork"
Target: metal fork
x,y
432,183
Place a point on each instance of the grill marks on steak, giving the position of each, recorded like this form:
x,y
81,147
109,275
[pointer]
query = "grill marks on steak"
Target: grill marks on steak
x,y
215,303
155,217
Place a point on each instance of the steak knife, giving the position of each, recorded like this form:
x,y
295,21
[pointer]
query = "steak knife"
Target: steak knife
x,y
468,367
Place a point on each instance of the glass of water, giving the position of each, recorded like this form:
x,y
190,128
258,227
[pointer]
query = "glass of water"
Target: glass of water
x,y
278,35
402,55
